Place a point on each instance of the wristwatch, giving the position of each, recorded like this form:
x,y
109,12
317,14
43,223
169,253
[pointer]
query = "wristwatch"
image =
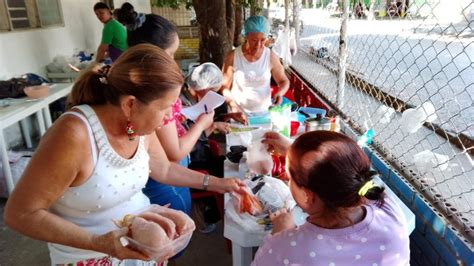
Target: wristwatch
x,y
205,182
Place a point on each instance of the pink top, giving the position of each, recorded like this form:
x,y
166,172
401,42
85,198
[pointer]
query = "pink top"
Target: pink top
x,y
177,117
380,239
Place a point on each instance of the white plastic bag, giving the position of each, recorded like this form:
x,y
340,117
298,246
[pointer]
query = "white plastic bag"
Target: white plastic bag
x,y
259,159
292,45
274,194
427,160
413,119
282,47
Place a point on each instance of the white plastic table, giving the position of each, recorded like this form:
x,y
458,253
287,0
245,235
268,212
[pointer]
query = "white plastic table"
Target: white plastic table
x,y
243,241
17,112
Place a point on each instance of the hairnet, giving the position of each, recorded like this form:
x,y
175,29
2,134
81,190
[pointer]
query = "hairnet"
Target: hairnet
x,y
205,76
256,24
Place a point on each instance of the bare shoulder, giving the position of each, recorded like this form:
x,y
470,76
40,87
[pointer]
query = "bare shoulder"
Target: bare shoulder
x,y
68,127
274,59
68,136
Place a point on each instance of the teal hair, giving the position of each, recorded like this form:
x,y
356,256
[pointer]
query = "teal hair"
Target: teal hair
x,y
256,24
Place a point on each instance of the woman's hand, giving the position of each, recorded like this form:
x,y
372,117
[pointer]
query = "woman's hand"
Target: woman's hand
x,y
277,99
282,220
222,127
180,219
224,185
111,244
240,117
238,113
276,142
205,120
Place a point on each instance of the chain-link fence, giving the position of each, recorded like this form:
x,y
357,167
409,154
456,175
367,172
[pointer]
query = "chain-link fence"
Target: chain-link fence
x,y
406,72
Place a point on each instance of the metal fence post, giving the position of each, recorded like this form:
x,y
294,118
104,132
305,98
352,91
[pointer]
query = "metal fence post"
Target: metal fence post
x,y
341,80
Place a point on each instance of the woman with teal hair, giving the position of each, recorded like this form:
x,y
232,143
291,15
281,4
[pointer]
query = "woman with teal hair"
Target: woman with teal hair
x,y
248,70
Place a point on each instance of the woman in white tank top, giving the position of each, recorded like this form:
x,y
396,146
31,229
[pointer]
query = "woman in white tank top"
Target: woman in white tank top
x,y
248,71
91,165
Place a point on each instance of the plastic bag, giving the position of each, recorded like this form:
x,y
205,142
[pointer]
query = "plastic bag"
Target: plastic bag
x,y
171,247
271,192
292,44
259,160
282,47
427,160
413,119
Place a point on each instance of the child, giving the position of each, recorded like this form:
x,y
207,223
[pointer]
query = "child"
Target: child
x,y
351,220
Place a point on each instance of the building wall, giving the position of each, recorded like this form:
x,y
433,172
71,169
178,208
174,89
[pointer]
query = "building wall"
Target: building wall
x,y
180,16
188,48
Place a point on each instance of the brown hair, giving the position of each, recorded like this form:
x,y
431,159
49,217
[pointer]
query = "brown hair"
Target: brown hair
x,y
334,167
144,71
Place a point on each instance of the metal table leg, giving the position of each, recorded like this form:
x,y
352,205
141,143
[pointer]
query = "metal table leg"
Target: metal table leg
x,y
25,129
5,163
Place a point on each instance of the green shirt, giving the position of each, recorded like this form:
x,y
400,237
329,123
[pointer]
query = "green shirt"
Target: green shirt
x,y
115,34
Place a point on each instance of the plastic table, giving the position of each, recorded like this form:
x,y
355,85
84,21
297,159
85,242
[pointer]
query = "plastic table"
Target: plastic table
x,y
21,109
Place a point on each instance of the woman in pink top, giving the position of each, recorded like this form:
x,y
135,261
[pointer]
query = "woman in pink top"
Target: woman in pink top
x,y
351,220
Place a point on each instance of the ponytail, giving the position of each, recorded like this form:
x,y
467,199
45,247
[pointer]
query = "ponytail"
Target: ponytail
x,y
369,189
89,88
376,193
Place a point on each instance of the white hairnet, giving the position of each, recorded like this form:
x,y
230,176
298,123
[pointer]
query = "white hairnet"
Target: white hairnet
x,y
205,76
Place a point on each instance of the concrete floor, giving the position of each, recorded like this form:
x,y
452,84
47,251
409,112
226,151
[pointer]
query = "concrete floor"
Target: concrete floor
x,y
16,249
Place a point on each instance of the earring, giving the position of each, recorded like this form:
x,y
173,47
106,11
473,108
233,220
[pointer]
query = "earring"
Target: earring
x,y
130,131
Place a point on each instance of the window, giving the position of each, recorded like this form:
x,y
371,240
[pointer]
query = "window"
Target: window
x,y
29,14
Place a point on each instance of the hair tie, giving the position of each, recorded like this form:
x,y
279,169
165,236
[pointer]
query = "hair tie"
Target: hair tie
x,y
103,72
366,187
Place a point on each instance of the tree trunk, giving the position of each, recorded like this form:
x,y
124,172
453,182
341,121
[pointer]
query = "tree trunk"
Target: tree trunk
x,y
296,19
238,25
371,15
230,19
214,42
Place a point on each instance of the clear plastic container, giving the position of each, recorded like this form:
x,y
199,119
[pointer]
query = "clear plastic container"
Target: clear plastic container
x,y
171,248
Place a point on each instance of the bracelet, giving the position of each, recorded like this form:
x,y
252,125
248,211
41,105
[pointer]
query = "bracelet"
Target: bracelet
x,y
205,182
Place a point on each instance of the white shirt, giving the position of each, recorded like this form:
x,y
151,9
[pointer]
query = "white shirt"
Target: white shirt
x,y
251,82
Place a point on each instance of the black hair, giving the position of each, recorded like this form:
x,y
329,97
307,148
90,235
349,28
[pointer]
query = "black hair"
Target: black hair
x,y
126,14
101,5
155,30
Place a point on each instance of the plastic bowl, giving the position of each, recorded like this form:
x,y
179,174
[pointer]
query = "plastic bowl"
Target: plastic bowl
x,y
294,127
37,92
168,250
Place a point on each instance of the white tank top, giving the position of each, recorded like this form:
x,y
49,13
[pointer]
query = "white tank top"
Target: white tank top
x,y
251,83
113,190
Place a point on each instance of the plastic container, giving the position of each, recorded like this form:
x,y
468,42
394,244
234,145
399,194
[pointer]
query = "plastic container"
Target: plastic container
x,y
317,123
294,128
171,248
37,92
255,120
308,112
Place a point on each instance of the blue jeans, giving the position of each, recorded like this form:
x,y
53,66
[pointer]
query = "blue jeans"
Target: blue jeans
x,y
179,198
